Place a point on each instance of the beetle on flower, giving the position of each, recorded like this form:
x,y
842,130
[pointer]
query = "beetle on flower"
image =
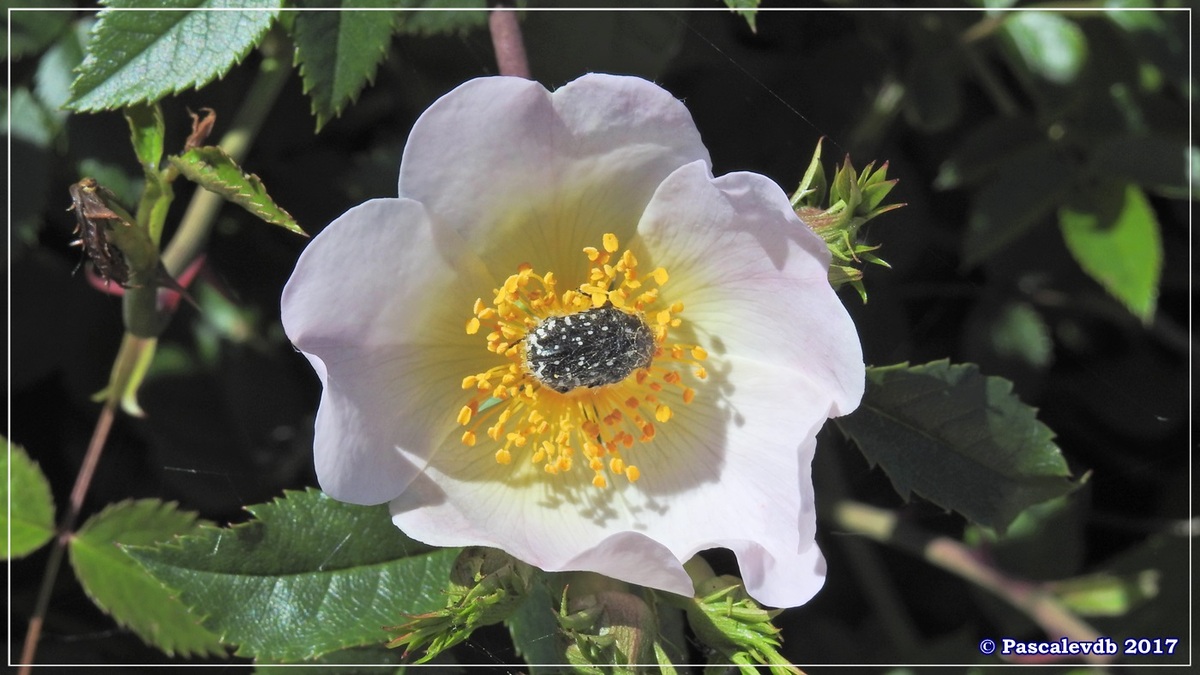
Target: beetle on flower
x,y
566,339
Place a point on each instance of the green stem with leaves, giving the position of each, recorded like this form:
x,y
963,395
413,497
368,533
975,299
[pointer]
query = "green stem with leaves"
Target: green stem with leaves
x,y
135,354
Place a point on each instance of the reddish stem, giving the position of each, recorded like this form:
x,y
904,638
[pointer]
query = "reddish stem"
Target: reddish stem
x,y
66,530
506,40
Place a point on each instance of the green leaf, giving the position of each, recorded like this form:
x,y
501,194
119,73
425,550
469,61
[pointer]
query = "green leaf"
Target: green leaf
x,y
26,491
146,132
1019,332
1028,186
535,631
339,52
117,585
959,439
142,56
1049,44
31,31
748,9
1116,240
210,167
1154,162
440,22
309,576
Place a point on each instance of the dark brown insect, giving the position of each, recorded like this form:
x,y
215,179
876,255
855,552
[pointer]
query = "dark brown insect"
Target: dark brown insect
x,y
93,219
91,216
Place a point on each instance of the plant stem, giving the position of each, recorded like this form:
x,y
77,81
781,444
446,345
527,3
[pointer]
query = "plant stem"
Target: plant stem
x,y
1032,599
202,211
184,247
506,40
66,529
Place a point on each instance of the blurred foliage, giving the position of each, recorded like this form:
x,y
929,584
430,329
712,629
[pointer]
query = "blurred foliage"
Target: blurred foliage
x,y
1043,156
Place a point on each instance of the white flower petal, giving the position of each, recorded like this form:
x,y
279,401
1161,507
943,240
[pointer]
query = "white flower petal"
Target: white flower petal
x,y
530,176
500,172
753,278
372,304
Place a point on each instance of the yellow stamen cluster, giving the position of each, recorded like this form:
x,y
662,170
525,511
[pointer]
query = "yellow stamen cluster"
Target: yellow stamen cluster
x,y
589,425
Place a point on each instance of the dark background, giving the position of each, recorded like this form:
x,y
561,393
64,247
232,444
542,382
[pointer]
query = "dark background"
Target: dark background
x,y
230,404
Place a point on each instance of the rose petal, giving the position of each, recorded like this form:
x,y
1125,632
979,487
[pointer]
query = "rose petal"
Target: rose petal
x,y
530,176
753,278
372,304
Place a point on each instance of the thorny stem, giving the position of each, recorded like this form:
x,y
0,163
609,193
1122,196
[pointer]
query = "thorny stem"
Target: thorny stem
x,y
506,40
184,247
954,557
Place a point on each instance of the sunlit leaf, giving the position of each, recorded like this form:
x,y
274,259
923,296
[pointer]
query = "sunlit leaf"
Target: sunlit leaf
x,y
308,576
1019,332
959,439
31,520
143,56
748,9
1048,43
1116,240
120,587
212,168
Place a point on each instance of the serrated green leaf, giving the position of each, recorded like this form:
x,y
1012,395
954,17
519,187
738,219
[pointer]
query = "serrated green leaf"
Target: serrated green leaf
x,y
142,56
748,9
959,439
117,585
339,52
473,15
1049,44
309,576
211,168
27,491
1116,240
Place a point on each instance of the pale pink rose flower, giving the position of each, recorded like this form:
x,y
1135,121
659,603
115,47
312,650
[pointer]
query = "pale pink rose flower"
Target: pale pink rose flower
x,y
499,173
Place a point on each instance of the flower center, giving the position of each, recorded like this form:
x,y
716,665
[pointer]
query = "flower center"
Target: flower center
x,y
585,373
592,348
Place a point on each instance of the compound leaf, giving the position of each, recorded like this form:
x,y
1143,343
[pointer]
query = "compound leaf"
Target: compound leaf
x,y
308,576
117,585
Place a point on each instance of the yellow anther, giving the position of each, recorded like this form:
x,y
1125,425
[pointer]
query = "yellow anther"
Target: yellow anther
x,y
610,242
532,421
